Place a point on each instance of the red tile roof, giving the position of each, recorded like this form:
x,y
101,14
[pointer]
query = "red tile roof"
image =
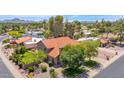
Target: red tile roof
x,y
59,42
22,40
104,40
54,52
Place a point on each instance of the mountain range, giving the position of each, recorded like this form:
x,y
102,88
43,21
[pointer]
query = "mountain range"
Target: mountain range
x,y
37,18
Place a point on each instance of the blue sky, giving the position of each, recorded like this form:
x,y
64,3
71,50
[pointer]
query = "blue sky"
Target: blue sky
x,y
69,17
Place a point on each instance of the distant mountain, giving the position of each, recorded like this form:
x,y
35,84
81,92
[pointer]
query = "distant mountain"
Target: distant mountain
x,y
70,18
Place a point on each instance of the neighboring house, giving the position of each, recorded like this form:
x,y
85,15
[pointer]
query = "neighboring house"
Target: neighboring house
x,y
21,40
32,44
88,38
104,42
53,47
38,34
85,31
28,42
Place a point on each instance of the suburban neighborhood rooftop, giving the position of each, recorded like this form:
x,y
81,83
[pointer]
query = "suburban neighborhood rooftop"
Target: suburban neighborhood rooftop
x,y
59,42
23,39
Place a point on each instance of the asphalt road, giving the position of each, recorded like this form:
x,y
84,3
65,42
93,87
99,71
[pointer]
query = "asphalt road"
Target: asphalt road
x,y
115,70
4,71
3,37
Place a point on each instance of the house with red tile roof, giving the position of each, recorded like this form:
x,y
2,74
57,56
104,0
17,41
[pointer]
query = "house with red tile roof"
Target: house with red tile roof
x,y
104,42
53,47
21,40
28,42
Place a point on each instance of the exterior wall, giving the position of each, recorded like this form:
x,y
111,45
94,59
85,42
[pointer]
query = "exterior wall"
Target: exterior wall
x,y
55,60
41,46
28,65
31,46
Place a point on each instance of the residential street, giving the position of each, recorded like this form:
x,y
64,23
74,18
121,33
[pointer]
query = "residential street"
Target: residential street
x,y
4,71
2,37
115,70
8,65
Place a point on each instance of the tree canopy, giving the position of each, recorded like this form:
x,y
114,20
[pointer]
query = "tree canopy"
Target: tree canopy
x,y
28,58
14,34
72,56
90,48
31,57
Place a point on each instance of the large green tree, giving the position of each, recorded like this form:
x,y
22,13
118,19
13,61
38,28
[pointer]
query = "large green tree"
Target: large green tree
x,y
90,48
18,54
46,33
72,56
14,34
40,55
28,58
56,26
33,56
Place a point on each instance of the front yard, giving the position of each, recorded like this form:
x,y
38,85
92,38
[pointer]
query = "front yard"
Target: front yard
x,y
76,62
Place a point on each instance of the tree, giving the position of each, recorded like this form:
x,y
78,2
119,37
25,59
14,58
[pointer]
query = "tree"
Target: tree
x,y
16,58
20,50
72,56
77,25
56,26
68,29
5,41
14,34
40,55
1,30
31,57
50,23
90,48
120,30
46,33
18,54
28,58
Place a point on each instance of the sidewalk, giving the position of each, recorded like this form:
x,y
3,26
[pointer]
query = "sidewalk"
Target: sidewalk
x,y
9,65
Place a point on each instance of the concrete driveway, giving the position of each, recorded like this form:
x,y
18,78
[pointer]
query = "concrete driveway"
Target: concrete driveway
x,y
115,70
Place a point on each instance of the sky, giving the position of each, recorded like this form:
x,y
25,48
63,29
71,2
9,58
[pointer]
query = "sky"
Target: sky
x,y
68,17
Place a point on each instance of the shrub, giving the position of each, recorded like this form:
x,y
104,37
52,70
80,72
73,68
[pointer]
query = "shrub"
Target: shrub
x,y
30,69
5,41
50,63
94,34
30,75
73,72
53,73
43,67
90,63
8,46
77,36
114,39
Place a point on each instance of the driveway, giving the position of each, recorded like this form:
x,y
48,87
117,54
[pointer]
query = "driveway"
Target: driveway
x,y
115,70
4,71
